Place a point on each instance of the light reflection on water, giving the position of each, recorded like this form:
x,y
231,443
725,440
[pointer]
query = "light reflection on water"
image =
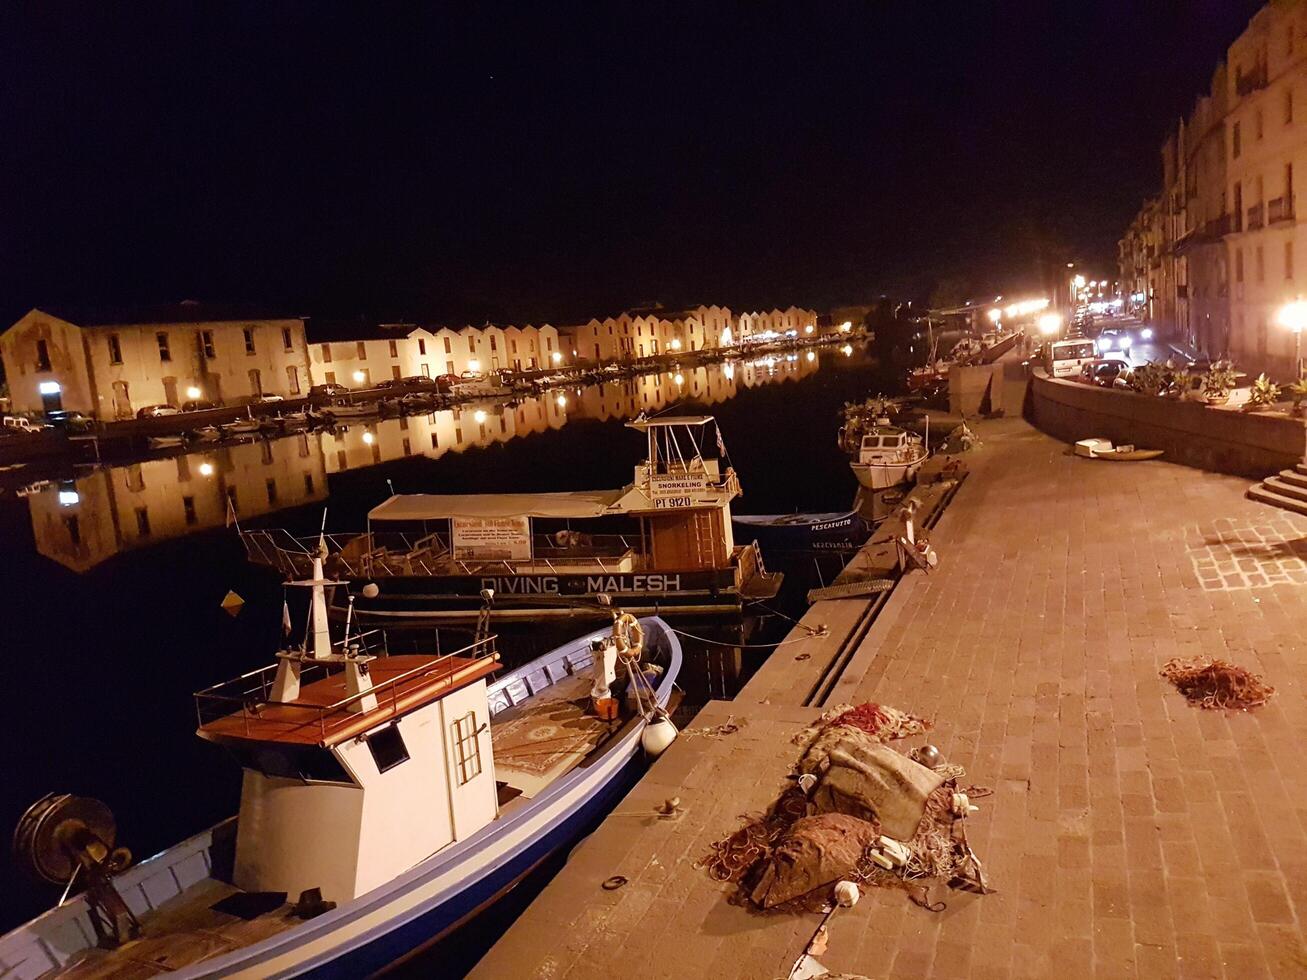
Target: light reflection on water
x,y
117,628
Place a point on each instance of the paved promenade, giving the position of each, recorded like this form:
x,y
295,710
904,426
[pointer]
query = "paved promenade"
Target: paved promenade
x,y
1129,834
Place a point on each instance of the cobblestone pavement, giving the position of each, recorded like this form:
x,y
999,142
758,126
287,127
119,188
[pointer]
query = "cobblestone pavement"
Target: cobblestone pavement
x,y
1129,834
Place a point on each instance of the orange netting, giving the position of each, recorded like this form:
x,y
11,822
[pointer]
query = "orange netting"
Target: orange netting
x,y
1217,684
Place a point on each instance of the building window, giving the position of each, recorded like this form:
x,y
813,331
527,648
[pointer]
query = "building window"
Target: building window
x,y
394,372
331,377
435,441
326,353
143,521
42,356
308,484
449,348
1288,106
467,748
165,353
394,349
422,346
361,350
342,461
249,339
292,379
1260,263
387,747
135,478
408,448
188,508
512,345
449,367
426,370
492,343
1238,265
1257,120
272,492
1288,259
1236,143
74,531
206,344
471,344
286,343
115,350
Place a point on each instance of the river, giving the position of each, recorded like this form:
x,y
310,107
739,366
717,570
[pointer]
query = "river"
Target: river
x,y
115,578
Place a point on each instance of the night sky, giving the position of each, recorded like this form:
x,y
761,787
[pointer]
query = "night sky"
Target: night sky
x,y
533,161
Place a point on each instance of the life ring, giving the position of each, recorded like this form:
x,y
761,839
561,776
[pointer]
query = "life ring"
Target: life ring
x,y
628,635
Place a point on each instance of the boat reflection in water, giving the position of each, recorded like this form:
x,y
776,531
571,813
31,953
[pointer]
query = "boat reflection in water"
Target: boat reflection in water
x,y
89,519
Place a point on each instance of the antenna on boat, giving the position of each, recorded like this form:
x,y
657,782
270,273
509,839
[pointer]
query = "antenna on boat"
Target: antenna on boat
x,y
392,487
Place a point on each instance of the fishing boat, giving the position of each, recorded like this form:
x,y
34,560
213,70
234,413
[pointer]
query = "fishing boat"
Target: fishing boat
x,y
887,456
385,799
801,532
342,409
662,544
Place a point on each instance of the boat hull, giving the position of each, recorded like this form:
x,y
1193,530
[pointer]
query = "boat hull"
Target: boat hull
x,y
800,531
882,476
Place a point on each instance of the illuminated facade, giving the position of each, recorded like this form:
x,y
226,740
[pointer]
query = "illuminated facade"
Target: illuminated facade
x,y
109,365
1219,252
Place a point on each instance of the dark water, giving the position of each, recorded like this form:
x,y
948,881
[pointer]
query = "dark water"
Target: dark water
x,y
107,629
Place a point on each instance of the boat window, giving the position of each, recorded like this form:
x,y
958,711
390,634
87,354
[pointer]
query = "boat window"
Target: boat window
x,y
870,442
388,749
467,747
292,761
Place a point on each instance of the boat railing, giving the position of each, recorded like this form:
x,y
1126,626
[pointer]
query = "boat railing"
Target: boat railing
x,y
250,693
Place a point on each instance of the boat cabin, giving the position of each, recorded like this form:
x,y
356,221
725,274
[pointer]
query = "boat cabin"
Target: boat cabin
x,y
882,442
355,767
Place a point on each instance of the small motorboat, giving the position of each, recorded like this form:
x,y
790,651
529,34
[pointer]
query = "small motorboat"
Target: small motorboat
x,y
385,800
208,433
887,456
1103,449
166,442
800,532
342,409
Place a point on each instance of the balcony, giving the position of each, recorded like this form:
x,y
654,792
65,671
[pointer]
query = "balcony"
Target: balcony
x,y
1255,216
1181,290
1251,82
1279,209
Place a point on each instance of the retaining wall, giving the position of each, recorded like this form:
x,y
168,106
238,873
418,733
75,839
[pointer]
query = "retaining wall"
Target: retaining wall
x,y
1220,440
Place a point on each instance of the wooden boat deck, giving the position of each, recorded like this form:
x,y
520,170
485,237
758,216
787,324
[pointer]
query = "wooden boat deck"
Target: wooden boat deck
x,y
180,933
400,683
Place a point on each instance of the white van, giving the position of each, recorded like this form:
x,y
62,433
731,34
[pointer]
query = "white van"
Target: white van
x,y
1065,358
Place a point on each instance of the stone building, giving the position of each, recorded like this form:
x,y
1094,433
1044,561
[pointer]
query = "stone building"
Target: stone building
x,y
1219,252
109,364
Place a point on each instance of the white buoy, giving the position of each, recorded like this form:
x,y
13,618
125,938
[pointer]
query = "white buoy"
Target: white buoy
x,y
807,781
846,894
371,591
657,736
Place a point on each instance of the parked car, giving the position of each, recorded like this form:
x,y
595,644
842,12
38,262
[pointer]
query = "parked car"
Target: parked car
x,y
445,382
267,400
157,411
199,405
69,421
417,381
1103,371
327,391
17,425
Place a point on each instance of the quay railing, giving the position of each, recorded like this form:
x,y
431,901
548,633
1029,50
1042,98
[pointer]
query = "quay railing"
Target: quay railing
x,y
250,694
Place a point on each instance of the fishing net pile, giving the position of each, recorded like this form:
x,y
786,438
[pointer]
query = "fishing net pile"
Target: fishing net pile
x,y
860,811
1217,684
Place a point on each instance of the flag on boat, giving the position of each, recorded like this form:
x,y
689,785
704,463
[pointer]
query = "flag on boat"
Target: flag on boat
x,y
285,618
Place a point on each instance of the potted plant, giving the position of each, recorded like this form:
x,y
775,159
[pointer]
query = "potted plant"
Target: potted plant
x,y
1263,394
1217,382
1148,379
1297,392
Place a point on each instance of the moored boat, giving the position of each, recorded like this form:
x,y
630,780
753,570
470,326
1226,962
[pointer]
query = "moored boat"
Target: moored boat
x,y
801,531
661,544
887,456
384,800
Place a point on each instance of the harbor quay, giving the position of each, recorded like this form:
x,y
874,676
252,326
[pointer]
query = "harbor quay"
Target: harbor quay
x,y
1123,831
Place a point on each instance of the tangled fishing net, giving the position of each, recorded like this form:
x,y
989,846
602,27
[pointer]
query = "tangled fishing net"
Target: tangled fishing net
x,y
1217,684
880,721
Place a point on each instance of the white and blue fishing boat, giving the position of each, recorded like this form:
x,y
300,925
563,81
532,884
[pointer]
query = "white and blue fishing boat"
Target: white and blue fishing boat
x,y
800,532
385,799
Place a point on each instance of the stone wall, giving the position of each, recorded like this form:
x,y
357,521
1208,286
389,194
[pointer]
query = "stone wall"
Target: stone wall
x,y
1243,444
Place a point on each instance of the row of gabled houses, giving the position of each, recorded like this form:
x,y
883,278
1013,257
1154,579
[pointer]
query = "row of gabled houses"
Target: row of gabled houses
x,y
110,364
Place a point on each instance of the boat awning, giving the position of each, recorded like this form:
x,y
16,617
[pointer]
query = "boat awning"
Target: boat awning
x,y
667,421
431,506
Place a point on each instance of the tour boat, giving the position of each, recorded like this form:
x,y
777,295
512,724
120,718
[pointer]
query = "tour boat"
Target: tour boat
x,y
801,531
378,808
887,456
433,557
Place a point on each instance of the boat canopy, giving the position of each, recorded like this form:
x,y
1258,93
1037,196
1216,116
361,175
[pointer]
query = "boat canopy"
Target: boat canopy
x,y
431,506
667,421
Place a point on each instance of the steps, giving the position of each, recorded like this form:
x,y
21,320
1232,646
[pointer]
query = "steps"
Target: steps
x,y
1286,490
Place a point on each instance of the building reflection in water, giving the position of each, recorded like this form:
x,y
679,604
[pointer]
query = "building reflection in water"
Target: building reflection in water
x,y
83,522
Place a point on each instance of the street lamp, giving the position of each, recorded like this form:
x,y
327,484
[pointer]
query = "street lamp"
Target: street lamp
x,y
193,393
358,377
676,343
556,357
995,315
1294,316
1050,324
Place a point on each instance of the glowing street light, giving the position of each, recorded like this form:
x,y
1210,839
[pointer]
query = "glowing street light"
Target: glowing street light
x,y
49,388
193,393
358,377
846,326
479,416
1049,324
809,328
995,315
847,350
1078,281
368,438
474,365
1294,316
206,469
679,379
556,357
562,401
812,356
676,343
